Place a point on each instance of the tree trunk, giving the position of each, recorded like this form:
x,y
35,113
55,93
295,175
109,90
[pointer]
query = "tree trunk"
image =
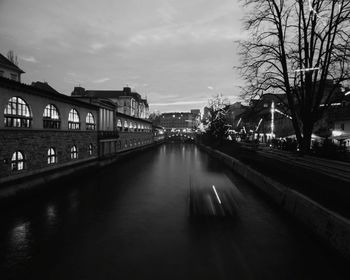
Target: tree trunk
x,y
306,140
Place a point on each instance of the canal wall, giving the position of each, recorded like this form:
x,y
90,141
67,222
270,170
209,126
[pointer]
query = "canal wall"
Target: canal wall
x,y
30,184
327,225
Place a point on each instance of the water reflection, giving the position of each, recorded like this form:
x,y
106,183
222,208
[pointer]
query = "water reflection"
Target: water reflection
x,y
51,214
20,237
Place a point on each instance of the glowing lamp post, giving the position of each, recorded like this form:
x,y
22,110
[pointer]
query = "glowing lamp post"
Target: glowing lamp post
x,y
272,118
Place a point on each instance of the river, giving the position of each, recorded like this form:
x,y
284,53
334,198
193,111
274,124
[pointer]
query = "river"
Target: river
x,y
131,221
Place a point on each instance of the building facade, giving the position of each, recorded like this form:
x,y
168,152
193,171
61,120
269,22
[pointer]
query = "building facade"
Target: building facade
x,y
41,130
117,131
9,70
180,121
127,102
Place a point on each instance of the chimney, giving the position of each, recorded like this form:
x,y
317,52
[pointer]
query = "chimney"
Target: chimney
x,y
78,91
127,90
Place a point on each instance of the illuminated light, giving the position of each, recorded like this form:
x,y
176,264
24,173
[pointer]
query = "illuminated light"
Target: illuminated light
x,y
217,196
337,133
332,104
272,117
239,121
307,69
347,93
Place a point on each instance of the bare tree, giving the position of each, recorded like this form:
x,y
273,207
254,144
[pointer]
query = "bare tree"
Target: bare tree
x,y
297,47
12,57
217,125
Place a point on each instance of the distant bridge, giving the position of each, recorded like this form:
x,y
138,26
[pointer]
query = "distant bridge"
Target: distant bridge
x,y
180,136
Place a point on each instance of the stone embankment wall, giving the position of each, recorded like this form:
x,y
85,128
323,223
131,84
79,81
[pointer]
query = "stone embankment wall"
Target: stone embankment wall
x,y
328,226
37,180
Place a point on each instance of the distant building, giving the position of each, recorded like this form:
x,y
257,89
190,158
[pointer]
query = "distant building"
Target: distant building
x,y
9,70
180,120
128,102
119,127
205,114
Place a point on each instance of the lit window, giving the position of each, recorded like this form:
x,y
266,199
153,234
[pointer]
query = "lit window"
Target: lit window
x,y
90,122
125,126
90,149
17,161
17,113
73,119
51,117
73,152
51,156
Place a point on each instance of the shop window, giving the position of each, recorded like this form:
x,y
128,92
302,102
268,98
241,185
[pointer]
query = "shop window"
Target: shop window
x,y
17,161
73,152
90,149
51,156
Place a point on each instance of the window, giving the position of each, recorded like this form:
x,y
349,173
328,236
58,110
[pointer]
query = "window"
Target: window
x,y
90,149
51,117
14,77
17,161
73,119
17,113
51,156
90,122
73,152
125,126
119,125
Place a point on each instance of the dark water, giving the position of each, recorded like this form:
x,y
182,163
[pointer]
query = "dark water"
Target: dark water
x,y
130,221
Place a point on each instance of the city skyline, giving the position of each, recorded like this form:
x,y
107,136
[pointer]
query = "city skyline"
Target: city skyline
x,y
172,52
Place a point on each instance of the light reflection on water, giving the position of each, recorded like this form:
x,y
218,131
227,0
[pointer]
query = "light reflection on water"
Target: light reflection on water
x,y
51,214
20,235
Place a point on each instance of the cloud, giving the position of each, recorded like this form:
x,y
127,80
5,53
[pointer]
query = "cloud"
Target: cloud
x,y
167,12
96,47
179,103
29,59
100,81
210,87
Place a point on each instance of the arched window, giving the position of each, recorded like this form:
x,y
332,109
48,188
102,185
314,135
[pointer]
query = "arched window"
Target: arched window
x,y
90,149
51,117
119,125
73,152
17,113
126,126
73,119
17,161
90,122
51,156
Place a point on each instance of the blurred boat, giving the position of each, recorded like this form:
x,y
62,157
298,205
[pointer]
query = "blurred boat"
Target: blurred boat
x,y
211,201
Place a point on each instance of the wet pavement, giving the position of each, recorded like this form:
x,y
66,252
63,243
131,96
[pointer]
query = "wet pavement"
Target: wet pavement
x,y
131,220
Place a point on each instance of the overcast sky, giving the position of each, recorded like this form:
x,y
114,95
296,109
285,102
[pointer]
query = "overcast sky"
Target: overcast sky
x,y
178,53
